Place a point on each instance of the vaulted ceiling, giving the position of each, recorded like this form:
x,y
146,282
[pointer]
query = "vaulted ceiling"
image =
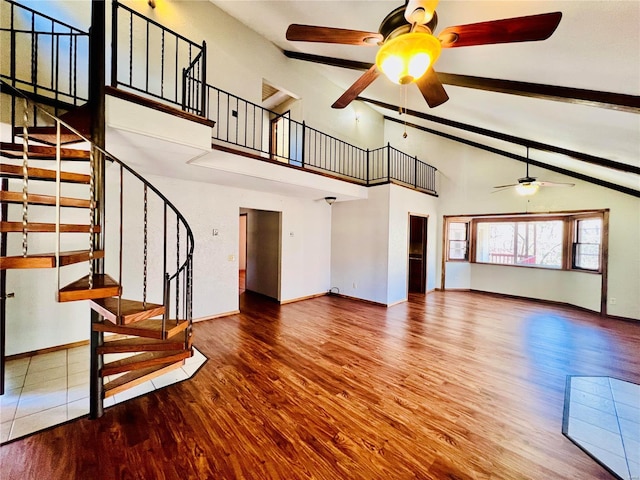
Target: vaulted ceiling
x,y
574,98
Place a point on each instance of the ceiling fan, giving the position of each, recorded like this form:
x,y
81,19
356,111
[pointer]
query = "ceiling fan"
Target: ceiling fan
x,y
528,185
408,48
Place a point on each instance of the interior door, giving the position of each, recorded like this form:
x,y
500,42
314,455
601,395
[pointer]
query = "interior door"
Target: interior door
x,y
417,254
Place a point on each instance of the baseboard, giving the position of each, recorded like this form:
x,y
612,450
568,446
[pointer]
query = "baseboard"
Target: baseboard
x,y
371,302
455,290
397,303
300,299
624,319
42,351
217,315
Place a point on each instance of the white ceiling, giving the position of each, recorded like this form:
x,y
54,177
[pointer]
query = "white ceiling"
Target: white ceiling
x,y
596,47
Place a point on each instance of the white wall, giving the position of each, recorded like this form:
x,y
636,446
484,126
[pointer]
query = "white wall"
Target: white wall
x,y
467,175
403,202
305,257
239,67
369,245
360,246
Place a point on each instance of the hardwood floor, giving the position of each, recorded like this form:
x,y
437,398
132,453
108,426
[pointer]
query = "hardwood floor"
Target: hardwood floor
x,y
449,386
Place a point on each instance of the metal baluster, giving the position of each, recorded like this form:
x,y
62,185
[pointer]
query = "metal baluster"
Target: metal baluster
x,y
25,177
144,275
92,207
58,186
130,48
162,67
177,267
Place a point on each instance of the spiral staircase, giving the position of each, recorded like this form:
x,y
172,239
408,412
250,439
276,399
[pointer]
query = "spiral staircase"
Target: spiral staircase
x,y
48,150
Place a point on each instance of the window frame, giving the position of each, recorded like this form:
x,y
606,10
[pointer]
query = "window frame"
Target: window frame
x,y
516,220
575,242
570,236
466,240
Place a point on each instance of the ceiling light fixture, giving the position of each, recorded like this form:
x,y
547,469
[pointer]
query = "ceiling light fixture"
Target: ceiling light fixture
x,y
407,57
330,200
527,189
152,3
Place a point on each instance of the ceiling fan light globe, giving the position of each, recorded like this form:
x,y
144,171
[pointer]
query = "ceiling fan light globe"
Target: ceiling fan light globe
x,y
392,66
527,189
419,64
406,58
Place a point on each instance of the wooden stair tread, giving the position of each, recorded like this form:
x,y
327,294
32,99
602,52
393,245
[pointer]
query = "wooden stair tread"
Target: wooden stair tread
x,y
103,286
48,260
15,171
77,118
48,135
42,152
131,311
16,227
136,377
151,328
136,344
144,360
36,199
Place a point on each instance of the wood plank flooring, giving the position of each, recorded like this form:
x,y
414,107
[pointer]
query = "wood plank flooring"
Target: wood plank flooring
x,y
449,386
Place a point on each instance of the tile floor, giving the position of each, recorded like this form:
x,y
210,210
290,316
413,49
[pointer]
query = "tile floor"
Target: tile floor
x,y
602,416
49,389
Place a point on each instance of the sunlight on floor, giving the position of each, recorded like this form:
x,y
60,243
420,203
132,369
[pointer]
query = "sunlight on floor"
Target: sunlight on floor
x,y
49,389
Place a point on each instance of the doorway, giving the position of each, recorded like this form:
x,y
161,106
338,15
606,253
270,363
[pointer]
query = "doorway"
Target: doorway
x,y
261,243
417,254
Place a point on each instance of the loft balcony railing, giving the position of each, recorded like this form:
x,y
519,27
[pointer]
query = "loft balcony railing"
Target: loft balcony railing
x,y
275,136
46,59
149,58
165,65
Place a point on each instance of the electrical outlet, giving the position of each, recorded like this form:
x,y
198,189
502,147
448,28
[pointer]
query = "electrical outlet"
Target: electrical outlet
x,y
231,258
613,300
355,285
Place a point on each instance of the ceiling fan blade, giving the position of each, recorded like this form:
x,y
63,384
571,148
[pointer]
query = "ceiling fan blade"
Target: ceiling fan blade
x,y
354,90
555,184
506,186
432,89
520,29
310,33
503,188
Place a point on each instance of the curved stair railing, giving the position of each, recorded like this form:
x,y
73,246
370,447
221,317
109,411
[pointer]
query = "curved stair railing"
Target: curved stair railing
x,y
165,263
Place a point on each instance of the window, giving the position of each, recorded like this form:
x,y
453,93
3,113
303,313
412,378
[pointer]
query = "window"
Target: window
x,y
561,241
586,245
458,241
532,243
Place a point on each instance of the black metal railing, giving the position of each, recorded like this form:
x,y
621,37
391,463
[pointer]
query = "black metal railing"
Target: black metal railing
x,y
47,58
194,95
151,59
275,136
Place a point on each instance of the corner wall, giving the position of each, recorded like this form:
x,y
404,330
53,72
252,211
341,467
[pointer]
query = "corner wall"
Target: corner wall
x,y
467,176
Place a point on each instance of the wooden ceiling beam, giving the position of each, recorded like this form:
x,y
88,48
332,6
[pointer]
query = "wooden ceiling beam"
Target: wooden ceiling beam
x,y
584,157
547,166
578,96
